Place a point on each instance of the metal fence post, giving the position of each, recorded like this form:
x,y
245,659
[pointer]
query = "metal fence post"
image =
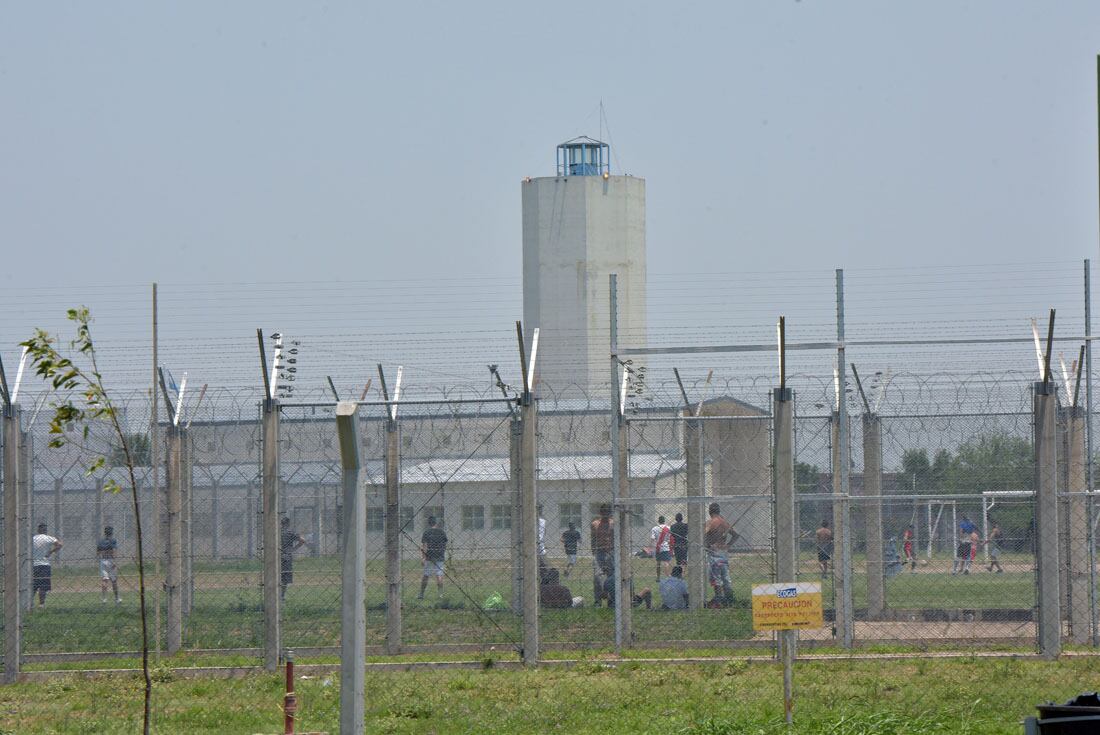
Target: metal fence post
x,y
515,462
13,550
270,533
1046,515
173,480
392,520
693,461
786,528
872,515
530,523
353,616
1078,523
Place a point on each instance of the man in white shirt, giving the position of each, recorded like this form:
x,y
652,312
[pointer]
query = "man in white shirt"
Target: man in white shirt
x,y
43,546
662,550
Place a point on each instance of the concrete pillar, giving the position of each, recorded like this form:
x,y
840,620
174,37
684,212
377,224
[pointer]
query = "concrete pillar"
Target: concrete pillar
x,y
1046,516
28,521
173,480
13,547
625,571
1077,522
515,455
529,520
872,515
842,574
269,501
786,528
392,522
353,616
693,462
187,532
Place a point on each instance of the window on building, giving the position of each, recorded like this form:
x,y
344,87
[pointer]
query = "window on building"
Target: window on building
x,y
407,515
473,517
501,517
569,513
376,520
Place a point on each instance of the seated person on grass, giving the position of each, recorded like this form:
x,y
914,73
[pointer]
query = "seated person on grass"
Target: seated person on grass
x,y
552,593
674,592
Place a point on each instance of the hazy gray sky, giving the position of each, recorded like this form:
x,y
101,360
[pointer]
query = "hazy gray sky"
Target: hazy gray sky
x,y
274,141
267,141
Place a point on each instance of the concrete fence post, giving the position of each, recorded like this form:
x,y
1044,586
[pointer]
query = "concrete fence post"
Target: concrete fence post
x,y
786,524
392,521
841,558
353,554
515,465
872,516
1077,521
269,503
187,531
693,462
13,547
529,520
1046,515
625,594
174,480
30,521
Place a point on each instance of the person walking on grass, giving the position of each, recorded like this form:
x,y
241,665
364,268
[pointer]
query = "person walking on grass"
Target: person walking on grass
x,y
824,539
569,540
679,531
43,546
433,550
961,562
994,544
662,546
289,542
910,552
718,534
105,550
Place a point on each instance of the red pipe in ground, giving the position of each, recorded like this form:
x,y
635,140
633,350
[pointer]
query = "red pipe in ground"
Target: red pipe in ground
x,y
290,701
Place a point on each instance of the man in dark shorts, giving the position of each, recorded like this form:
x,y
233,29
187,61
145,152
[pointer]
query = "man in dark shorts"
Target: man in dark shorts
x,y
43,546
679,531
433,549
569,539
603,546
289,542
824,539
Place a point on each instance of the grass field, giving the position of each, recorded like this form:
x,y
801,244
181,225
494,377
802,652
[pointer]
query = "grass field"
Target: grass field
x,y
969,696
227,609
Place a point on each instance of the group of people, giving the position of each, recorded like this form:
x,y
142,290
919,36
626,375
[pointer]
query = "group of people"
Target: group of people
x,y
966,551
670,550
44,547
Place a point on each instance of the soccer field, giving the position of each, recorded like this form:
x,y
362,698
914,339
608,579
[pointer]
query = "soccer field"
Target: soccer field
x,y
227,607
971,696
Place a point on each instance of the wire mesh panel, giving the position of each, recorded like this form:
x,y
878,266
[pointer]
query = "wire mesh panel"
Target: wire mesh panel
x,y
459,509
222,605
958,526
83,597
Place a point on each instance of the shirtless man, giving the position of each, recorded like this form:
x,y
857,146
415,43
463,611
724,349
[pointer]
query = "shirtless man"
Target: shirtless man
x,y
718,534
824,539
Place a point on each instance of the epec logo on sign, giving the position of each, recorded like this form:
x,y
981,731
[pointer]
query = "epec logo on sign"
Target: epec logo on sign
x,y
787,606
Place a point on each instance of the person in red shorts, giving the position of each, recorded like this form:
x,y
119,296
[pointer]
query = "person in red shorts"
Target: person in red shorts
x,y
907,546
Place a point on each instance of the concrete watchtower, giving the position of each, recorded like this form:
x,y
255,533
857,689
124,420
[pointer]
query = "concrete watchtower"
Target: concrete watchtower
x,y
578,227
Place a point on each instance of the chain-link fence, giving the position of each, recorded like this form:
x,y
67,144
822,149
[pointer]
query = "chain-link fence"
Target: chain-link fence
x,y
928,539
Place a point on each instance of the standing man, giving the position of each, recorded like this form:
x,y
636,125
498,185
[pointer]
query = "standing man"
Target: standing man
x,y
433,550
907,545
962,552
603,546
824,538
289,542
662,549
679,531
718,534
569,539
994,542
105,550
43,546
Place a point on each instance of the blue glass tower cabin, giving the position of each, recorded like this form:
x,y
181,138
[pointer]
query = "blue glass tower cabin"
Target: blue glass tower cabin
x,y
584,156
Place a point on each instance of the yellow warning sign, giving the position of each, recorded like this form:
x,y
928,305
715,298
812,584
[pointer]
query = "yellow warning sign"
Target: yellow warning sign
x,y
787,606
